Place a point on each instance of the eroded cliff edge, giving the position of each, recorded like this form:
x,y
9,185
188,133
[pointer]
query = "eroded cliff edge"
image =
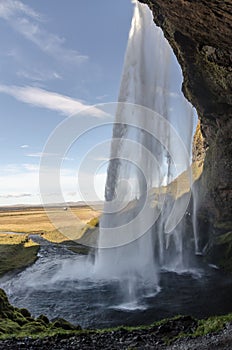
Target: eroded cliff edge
x,y
200,33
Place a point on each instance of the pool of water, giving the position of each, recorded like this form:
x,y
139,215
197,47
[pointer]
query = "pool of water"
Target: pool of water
x,y
59,285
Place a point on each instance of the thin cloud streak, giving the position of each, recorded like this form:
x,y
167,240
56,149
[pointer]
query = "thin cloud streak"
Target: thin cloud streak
x,y
41,154
37,97
26,21
10,8
39,75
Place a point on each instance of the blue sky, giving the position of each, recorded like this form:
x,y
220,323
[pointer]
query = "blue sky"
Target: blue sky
x,y
56,58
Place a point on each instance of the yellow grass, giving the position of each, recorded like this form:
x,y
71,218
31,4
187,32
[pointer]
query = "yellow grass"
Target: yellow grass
x,y
36,220
18,250
181,184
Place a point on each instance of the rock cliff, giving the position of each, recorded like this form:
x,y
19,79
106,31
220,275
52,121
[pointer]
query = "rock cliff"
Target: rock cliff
x,y
200,33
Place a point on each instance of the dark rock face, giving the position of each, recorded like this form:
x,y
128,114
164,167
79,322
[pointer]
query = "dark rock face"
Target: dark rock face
x,y
199,32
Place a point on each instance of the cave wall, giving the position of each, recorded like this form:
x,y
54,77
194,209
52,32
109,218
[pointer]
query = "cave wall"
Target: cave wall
x,y
199,32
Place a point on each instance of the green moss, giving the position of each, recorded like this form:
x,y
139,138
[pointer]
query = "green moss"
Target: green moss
x,y
19,318
25,312
212,324
43,318
4,303
221,251
33,328
63,324
16,256
206,326
9,326
15,322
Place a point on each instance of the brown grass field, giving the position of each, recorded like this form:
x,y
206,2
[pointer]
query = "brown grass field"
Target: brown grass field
x,y
35,220
17,250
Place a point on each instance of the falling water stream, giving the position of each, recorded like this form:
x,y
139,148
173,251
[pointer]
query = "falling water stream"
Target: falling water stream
x,y
147,83
145,267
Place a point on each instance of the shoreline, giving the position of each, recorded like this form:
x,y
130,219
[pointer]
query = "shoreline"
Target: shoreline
x,y
19,330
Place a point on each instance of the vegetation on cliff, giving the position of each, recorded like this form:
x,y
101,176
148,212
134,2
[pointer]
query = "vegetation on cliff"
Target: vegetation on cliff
x,y
15,322
18,323
16,251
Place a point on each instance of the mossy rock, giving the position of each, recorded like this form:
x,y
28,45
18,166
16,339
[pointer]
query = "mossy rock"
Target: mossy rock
x,y
212,324
33,328
9,327
44,319
63,324
19,318
4,302
25,313
19,322
221,251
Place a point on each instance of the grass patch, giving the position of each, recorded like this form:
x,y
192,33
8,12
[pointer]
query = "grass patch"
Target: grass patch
x,y
35,220
212,324
54,236
91,225
16,251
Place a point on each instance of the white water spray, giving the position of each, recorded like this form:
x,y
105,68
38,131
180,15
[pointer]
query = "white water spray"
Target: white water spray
x,y
150,79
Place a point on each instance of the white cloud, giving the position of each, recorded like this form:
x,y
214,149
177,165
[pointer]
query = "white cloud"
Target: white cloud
x,y
40,154
10,8
38,75
48,99
20,184
17,183
10,169
43,154
31,167
26,21
24,146
102,97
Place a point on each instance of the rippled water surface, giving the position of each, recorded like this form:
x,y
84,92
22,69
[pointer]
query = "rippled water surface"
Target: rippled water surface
x,y
61,284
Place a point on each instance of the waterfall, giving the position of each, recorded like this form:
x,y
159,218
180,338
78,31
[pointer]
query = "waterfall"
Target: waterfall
x,y
151,146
